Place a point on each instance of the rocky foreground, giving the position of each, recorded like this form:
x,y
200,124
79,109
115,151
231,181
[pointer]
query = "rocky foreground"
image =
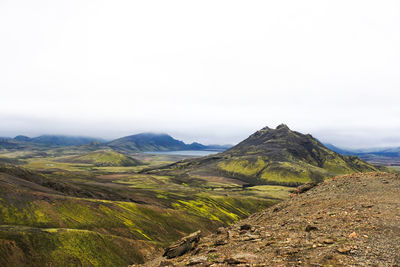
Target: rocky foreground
x,y
348,220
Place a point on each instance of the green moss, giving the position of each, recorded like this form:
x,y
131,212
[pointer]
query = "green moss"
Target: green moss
x,y
242,166
71,247
104,158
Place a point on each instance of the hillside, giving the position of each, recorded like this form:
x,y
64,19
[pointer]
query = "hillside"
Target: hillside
x,y
351,220
104,158
82,215
272,156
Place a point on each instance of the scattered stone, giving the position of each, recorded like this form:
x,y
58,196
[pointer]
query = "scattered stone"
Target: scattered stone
x,y
276,209
353,235
304,188
241,258
249,237
233,261
367,205
166,263
344,249
310,228
245,227
197,260
220,242
183,246
221,230
328,241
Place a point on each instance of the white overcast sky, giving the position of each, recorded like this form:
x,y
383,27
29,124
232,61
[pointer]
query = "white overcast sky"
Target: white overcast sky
x,y
208,71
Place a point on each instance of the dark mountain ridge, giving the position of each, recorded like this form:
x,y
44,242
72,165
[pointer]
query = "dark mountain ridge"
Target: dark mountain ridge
x,y
59,140
156,142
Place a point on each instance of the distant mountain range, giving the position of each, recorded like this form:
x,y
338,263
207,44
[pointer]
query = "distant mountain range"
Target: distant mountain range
x,y
272,156
58,140
380,151
147,142
383,156
144,142
156,142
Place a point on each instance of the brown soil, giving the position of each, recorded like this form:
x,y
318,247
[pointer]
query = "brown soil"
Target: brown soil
x,y
349,220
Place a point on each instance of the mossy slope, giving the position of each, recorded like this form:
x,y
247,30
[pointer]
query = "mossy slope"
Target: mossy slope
x,y
104,158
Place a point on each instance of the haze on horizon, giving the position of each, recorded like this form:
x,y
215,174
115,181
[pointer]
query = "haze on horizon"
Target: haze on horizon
x,y
209,71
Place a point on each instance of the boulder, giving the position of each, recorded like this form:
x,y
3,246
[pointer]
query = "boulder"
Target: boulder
x,y
183,246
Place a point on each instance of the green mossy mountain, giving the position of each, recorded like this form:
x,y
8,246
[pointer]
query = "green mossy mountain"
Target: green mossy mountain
x,y
146,142
273,156
105,158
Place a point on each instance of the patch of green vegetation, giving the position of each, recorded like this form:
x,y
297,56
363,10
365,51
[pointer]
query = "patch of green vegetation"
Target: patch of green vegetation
x,y
289,173
51,164
394,168
243,166
285,173
104,158
67,247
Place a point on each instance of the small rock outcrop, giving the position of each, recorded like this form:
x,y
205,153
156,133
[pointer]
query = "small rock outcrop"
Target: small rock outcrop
x,y
184,245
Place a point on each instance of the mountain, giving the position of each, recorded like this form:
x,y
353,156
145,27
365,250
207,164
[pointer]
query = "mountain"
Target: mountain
x,y
45,141
147,142
104,158
339,150
346,221
386,156
22,138
393,152
272,156
156,142
63,140
8,143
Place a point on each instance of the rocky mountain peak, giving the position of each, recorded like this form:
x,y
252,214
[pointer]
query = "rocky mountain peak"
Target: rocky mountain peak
x,y
282,127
